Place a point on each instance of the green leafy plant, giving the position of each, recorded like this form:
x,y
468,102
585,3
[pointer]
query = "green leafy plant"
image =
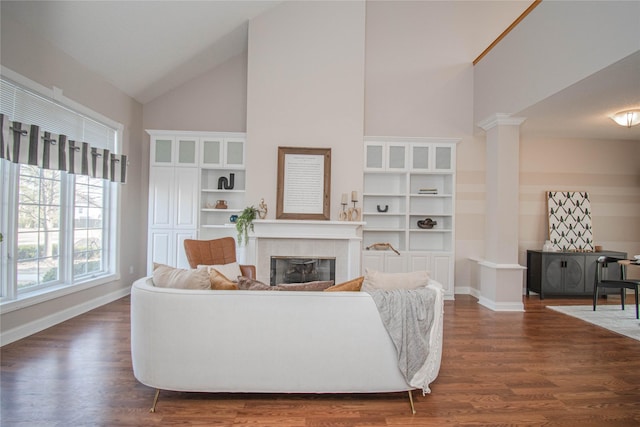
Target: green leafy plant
x,y
244,224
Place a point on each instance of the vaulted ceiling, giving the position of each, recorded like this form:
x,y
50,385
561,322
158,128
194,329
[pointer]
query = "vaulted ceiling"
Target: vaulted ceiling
x,y
146,48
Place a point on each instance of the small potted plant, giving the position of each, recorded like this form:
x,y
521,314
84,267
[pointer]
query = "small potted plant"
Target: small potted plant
x,y
244,224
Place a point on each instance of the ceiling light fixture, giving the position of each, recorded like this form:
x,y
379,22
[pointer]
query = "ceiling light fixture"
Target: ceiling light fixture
x,y
627,118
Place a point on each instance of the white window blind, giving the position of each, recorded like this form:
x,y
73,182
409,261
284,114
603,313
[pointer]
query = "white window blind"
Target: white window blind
x,y
22,105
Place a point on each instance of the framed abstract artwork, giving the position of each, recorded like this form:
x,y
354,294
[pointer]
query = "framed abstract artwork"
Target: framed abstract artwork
x,y
570,221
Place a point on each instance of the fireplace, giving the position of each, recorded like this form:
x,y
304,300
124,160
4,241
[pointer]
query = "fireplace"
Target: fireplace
x,y
339,240
286,269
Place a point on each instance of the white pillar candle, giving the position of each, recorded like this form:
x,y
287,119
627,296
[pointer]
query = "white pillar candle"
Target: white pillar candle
x,y
354,196
344,198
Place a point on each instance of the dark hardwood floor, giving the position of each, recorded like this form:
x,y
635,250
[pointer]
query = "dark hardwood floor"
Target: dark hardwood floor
x,y
534,368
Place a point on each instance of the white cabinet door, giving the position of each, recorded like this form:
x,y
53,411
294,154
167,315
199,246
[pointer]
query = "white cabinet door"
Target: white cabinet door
x,y
394,263
180,254
186,197
159,248
161,197
167,247
373,260
419,262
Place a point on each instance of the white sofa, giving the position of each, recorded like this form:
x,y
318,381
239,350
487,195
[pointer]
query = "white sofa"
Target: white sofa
x,y
271,342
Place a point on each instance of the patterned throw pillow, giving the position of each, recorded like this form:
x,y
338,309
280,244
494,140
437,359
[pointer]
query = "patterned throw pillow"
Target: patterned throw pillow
x,y
353,285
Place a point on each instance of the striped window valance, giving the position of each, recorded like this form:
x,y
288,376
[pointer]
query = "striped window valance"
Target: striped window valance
x,y
28,144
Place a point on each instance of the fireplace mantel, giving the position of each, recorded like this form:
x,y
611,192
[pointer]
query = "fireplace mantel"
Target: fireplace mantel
x,y
339,239
302,229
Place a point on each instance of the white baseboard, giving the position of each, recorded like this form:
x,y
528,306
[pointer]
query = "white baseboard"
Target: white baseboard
x,y
43,323
500,306
467,290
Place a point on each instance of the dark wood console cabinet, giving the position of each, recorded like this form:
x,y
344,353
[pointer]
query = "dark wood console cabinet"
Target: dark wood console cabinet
x,y
565,273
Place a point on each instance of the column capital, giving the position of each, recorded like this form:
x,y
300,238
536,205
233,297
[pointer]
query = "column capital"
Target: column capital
x,y
499,119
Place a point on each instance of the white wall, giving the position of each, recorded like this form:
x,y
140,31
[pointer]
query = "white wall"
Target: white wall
x,y
419,82
608,170
556,45
214,101
41,62
305,88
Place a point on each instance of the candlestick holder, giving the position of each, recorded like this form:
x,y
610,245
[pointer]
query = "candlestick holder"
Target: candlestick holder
x,y
342,216
354,213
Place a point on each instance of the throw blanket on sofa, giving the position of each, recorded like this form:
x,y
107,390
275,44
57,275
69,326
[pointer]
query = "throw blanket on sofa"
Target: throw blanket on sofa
x,y
408,317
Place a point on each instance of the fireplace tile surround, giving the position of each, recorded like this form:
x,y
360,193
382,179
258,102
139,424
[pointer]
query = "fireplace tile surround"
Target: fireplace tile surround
x,y
300,238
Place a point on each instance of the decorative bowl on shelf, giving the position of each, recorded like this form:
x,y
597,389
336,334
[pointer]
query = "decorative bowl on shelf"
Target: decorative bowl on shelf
x,y
426,223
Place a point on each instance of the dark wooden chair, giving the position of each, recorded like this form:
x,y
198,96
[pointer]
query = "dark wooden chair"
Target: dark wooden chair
x,y
605,265
215,252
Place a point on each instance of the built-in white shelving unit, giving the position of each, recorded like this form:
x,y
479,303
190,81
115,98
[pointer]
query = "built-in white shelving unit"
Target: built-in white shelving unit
x,y
407,180
185,174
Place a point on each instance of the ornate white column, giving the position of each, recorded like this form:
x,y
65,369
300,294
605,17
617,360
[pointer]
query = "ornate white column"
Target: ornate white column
x,y
501,277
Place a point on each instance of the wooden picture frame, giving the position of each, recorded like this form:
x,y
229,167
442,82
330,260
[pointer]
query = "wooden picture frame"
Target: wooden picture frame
x,y
304,183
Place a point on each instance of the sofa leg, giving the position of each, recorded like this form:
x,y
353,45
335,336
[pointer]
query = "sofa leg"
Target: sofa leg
x,y
155,401
413,409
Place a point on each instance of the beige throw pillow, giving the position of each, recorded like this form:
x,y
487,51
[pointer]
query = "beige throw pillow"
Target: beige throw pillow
x,y
165,276
220,282
388,281
230,271
353,285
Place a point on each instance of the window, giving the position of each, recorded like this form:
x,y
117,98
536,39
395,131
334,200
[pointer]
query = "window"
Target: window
x,y
58,228
38,231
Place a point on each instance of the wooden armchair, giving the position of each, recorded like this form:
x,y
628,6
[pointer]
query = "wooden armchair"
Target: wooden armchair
x,y
216,251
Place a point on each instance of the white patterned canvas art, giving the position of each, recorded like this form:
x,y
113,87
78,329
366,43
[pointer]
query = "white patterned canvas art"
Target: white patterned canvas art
x,y
570,220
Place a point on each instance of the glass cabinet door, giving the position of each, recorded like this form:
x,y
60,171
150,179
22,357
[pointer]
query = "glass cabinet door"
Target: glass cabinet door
x,y
374,156
396,157
234,153
420,157
187,151
162,151
211,152
443,157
